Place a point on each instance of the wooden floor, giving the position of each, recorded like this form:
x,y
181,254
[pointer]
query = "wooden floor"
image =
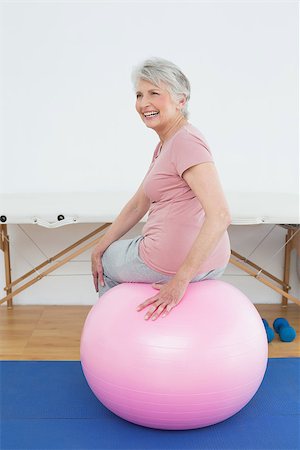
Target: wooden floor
x,y
53,332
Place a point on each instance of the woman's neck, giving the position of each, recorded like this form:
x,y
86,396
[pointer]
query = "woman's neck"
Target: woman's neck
x,y
172,129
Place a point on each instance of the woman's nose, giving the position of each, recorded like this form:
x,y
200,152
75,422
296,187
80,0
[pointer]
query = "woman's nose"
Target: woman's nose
x,y
145,102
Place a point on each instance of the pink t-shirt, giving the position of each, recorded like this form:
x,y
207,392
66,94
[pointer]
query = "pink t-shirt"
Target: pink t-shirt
x,y
176,215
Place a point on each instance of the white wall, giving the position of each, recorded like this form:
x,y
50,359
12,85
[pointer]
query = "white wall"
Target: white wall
x,y
68,123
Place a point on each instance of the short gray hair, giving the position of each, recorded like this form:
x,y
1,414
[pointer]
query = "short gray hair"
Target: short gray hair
x,y
156,70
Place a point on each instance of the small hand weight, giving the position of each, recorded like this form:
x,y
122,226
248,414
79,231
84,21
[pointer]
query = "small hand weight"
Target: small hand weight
x,y
269,331
285,331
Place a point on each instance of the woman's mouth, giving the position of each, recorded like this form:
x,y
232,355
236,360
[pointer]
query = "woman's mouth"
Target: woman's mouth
x,y
151,115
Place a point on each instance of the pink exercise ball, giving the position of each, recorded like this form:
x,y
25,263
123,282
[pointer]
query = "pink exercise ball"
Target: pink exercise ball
x,y
196,367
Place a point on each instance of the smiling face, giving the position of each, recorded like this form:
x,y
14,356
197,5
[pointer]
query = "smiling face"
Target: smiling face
x,y
156,107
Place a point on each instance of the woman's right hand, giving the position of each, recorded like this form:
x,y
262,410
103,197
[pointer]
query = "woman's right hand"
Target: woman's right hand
x,y
97,269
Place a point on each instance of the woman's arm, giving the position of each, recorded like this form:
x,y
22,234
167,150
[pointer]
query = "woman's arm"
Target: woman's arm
x,y
129,216
204,182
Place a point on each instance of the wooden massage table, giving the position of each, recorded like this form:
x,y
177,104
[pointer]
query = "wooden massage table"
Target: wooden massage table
x,y
61,209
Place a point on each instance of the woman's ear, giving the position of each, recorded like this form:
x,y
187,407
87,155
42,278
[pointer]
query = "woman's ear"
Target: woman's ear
x,y
181,103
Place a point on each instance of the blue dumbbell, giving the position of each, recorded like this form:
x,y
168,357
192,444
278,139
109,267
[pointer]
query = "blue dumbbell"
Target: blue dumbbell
x,y
285,331
269,331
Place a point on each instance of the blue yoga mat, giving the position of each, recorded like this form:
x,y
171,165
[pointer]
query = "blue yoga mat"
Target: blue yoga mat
x,y
48,405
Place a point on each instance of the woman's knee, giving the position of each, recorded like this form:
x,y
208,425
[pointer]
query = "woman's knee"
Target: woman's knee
x,y
108,261
108,284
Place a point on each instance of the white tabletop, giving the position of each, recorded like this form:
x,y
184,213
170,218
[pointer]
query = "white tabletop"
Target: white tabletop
x,y
94,207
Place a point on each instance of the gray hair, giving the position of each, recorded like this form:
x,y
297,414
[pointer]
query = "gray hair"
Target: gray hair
x,y
156,70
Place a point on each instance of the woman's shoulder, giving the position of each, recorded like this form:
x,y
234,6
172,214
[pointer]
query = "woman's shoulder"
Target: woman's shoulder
x,y
190,133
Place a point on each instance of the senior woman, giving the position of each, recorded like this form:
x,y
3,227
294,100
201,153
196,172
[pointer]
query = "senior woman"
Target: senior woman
x,y
185,237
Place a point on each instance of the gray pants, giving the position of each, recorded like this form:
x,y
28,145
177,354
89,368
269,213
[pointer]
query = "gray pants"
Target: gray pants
x,y
122,264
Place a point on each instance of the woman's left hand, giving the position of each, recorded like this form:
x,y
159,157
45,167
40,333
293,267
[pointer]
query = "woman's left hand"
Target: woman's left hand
x,y
170,294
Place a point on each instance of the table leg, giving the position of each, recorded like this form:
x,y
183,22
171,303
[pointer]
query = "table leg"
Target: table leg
x,y
4,245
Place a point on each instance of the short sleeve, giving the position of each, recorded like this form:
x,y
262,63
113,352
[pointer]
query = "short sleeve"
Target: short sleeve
x,y
188,151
